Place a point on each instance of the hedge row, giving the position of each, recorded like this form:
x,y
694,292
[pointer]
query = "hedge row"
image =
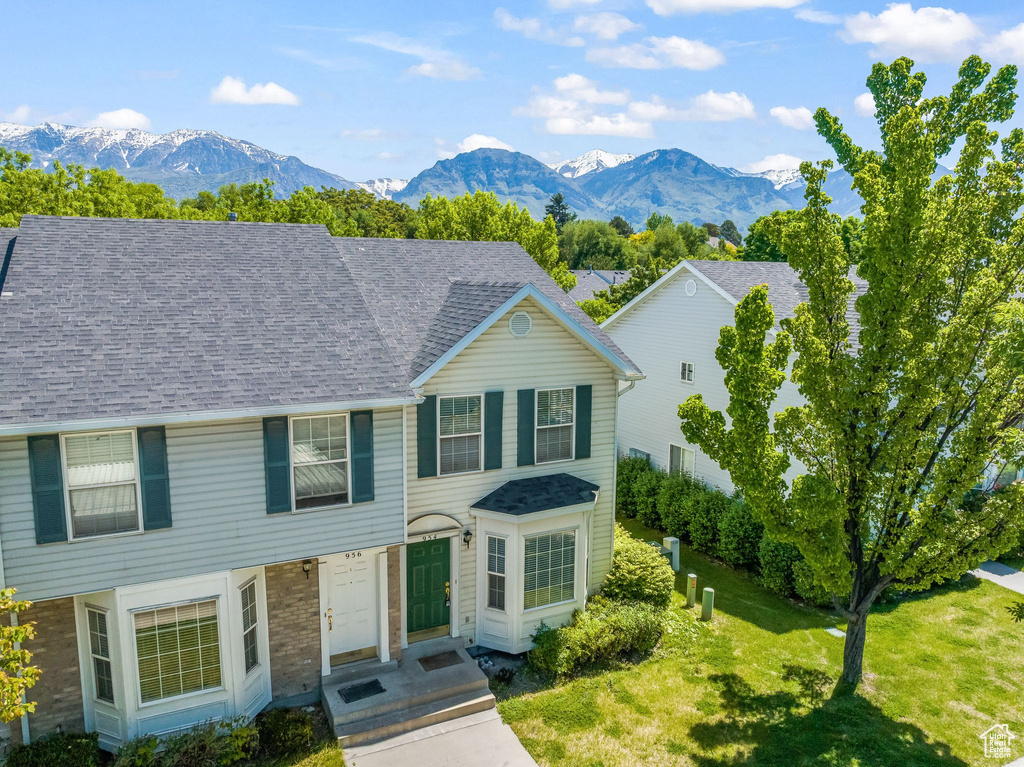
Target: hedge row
x,y
712,523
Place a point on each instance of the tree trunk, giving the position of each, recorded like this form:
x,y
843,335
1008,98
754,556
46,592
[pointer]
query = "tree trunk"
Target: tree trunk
x,y
853,651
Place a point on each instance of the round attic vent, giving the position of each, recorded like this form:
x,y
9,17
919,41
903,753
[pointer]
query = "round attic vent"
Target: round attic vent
x,y
520,324
690,287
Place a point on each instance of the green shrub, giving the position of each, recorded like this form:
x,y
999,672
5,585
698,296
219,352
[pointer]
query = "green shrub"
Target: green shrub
x,y
739,535
672,500
70,749
604,632
141,752
645,497
625,478
702,511
214,744
638,572
777,560
806,588
285,732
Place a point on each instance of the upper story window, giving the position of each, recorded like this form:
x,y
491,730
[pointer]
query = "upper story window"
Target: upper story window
x,y
460,434
555,424
102,479
178,649
320,461
686,372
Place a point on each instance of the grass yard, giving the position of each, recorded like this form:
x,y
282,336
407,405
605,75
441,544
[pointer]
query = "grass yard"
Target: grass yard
x,y
324,752
941,669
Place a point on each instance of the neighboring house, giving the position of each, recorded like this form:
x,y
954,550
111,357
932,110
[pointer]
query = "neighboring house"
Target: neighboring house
x,y
591,281
671,331
235,457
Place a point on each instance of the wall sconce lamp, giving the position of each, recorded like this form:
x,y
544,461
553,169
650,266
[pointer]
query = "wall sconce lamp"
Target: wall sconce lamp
x,y
467,536
306,567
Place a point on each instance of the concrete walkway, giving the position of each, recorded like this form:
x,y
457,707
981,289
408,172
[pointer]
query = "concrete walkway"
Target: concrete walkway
x,y
477,740
1002,574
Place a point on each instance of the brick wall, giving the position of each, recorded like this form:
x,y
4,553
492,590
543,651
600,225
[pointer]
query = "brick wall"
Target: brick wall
x,y
395,602
293,612
58,691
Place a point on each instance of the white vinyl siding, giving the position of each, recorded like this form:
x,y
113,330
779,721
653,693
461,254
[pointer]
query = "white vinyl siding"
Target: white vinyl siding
x,y
686,372
178,650
549,569
99,648
680,461
320,465
102,483
555,424
495,572
250,627
460,433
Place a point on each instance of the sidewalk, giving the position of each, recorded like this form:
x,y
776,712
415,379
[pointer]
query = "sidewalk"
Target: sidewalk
x,y
1004,575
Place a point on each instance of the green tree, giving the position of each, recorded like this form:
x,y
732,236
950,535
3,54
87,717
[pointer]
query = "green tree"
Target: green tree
x,y
713,230
851,232
369,215
730,233
764,236
16,675
695,239
621,225
480,216
559,210
655,220
584,244
901,417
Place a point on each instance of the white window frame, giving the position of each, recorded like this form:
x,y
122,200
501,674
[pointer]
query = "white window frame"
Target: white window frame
x,y
437,427
107,659
682,461
255,627
220,653
489,572
65,473
347,459
575,567
687,367
537,427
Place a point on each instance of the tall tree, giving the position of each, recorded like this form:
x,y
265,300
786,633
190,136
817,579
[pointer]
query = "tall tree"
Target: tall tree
x,y
730,233
16,675
585,244
621,225
713,229
559,210
908,405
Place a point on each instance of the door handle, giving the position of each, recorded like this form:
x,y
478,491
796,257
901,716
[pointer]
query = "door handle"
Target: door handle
x,y
447,594
330,619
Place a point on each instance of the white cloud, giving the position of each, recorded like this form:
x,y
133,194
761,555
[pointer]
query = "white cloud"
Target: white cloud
x,y
435,62
120,118
864,105
711,106
605,25
773,162
534,29
669,7
20,114
817,17
231,90
927,34
659,53
600,125
580,88
796,117
1008,45
480,141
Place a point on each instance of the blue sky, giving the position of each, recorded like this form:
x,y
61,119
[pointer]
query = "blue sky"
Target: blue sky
x,y
388,88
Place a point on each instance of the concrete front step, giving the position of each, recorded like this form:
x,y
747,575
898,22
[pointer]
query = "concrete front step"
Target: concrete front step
x,y
404,720
356,672
388,704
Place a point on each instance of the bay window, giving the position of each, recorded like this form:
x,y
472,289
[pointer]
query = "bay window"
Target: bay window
x,y
549,569
178,649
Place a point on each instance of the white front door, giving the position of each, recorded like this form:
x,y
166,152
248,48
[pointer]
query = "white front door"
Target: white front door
x,y
353,603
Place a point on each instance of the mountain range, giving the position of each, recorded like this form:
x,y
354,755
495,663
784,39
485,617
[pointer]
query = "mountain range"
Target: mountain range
x,y
597,184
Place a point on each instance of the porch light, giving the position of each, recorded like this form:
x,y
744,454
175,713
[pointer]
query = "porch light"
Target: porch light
x,y
307,565
467,536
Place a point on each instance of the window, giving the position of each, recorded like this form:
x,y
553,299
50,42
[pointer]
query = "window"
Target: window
x,y
635,453
680,461
460,433
178,650
495,572
320,460
555,417
549,569
99,647
103,488
686,372
250,626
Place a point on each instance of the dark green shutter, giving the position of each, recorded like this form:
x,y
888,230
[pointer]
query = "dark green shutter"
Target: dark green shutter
x,y
426,437
362,456
493,402
526,427
153,474
583,407
277,465
44,467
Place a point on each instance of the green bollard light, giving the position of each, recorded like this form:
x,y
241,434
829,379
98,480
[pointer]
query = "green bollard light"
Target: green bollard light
x,y
708,605
691,589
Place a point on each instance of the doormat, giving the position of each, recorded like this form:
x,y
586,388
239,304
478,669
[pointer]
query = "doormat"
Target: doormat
x,y
359,691
441,660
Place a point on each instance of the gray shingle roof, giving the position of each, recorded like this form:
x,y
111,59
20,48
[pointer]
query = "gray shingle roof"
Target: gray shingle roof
x,y
117,318
412,286
7,237
533,494
590,281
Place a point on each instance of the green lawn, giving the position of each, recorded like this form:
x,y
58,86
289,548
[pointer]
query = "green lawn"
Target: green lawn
x,y
940,669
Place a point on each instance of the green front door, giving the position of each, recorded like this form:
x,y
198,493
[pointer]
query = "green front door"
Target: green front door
x,y
428,590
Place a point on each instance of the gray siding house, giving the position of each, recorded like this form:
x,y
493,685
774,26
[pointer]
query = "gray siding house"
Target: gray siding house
x,y
236,458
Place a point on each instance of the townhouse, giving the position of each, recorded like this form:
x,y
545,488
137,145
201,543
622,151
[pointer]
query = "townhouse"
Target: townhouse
x,y
236,457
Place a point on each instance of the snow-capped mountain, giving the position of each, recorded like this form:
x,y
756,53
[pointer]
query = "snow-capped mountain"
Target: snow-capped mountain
x,y
779,177
384,187
182,162
590,162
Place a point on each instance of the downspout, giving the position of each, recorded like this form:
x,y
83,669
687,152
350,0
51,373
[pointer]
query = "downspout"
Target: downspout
x,y
619,393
